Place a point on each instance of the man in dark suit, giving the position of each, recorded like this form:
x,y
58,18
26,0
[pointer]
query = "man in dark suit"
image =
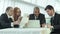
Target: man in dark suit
x,y
5,19
55,19
38,16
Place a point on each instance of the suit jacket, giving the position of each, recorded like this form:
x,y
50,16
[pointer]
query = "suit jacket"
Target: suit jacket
x,y
5,22
55,22
41,17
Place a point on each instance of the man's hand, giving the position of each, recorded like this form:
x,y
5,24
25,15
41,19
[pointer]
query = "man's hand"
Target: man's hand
x,y
16,23
19,19
49,26
43,25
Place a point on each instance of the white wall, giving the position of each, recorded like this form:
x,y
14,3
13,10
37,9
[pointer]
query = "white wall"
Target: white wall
x,y
28,8
4,4
25,7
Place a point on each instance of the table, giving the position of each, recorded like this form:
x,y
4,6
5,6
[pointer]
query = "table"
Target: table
x,y
25,31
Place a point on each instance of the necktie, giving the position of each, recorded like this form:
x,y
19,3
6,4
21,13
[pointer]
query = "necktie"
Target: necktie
x,y
36,18
52,21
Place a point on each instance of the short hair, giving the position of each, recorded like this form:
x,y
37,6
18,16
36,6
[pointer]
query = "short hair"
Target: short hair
x,y
36,8
49,7
8,8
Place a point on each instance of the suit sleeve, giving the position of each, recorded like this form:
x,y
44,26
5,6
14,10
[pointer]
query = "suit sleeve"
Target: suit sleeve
x,y
58,25
43,19
30,17
3,21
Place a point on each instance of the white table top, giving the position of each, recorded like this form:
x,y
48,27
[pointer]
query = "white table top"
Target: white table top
x,y
25,31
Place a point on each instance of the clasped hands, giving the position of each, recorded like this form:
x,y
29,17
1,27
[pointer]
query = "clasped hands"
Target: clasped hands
x,y
47,25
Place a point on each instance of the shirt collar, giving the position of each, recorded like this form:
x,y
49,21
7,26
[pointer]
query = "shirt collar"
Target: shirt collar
x,y
53,15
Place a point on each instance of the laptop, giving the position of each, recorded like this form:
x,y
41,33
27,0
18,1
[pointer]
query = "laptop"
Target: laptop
x,y
33,24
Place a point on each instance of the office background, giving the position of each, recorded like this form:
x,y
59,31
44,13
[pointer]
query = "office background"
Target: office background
x,y
27,6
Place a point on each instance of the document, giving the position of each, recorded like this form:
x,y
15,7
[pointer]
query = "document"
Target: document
x,y
23,22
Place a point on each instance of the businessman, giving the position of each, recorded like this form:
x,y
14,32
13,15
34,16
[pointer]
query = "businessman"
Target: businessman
x,y
5,20
55,19
38,16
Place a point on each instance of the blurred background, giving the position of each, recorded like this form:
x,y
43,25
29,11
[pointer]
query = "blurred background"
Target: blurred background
x,y
27,6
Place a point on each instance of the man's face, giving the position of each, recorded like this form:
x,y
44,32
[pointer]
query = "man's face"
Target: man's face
x,y
50,12
11,11
36,12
